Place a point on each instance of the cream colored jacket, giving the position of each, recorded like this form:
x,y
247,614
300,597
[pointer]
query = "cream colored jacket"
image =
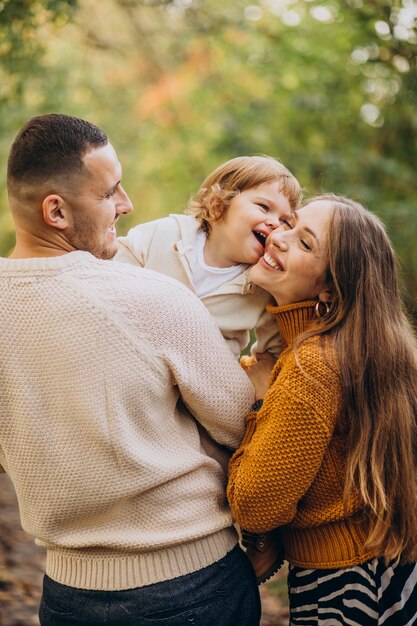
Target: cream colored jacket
x,y
237,306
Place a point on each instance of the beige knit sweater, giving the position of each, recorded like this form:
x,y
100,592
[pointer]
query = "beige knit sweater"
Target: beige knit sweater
x,y
109,474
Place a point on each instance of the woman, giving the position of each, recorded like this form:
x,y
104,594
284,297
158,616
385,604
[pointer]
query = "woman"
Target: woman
x,y
330,456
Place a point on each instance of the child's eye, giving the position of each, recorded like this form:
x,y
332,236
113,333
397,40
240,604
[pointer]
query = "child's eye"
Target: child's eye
x,y
264,207
305,245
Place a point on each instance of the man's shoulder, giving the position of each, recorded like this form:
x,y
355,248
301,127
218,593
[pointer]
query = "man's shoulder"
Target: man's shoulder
x,y
147,297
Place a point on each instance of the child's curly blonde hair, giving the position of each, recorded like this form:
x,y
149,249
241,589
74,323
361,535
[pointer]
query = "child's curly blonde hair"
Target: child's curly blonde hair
x,y
220,187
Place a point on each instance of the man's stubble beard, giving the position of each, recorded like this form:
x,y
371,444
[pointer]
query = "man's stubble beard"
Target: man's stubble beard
x,y
82,238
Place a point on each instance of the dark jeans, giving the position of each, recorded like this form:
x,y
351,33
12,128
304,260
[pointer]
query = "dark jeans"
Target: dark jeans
x,y
222,594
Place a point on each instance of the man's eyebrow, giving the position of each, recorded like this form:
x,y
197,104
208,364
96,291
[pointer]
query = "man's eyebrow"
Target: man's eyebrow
x,y
113,187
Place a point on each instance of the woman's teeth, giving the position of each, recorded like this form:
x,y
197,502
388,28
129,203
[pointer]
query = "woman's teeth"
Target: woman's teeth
x,y
270,261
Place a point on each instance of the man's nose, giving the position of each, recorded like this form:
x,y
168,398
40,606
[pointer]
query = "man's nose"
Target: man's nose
x,y
124,204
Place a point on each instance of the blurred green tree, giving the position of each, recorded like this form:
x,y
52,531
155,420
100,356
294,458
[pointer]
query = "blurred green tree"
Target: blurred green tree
x,y
328,86
22,48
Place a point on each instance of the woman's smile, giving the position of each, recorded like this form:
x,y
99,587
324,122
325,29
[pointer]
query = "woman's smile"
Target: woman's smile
x,y
274,263
293,266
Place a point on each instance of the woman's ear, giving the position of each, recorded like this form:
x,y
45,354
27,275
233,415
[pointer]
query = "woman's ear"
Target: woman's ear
x,y
54,212
326,295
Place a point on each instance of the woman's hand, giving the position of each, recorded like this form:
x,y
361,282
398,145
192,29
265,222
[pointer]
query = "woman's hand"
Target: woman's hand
x,y
260,372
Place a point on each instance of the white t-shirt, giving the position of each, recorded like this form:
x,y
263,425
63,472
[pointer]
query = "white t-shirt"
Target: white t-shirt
x,y
207,278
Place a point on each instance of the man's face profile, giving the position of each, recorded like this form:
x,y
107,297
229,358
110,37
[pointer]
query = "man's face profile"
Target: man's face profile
x,y
96,202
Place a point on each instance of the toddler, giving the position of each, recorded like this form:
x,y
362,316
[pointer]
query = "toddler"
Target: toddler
x,y
212,247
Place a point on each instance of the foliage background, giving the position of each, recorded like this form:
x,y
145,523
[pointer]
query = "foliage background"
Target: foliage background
x,y
327,86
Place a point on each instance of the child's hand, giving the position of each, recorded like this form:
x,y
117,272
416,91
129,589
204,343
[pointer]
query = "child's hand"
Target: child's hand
x,y
247,361
259,371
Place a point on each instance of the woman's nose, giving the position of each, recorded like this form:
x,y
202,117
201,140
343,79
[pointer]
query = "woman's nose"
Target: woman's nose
x,y
277,238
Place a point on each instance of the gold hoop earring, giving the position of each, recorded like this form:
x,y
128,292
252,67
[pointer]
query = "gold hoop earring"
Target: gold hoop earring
x,y
319,311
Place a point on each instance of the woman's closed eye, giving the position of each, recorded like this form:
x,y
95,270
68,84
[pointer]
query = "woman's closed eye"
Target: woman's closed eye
x,y
285,221
305,245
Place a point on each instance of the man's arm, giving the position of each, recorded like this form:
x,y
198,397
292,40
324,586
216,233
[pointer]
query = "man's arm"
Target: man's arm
x,y
267,336
211,382
180,331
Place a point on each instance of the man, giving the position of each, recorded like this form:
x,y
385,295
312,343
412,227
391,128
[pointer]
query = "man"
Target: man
x,y
109,472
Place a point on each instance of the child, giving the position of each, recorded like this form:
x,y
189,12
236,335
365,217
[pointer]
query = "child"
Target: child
x,y
210,249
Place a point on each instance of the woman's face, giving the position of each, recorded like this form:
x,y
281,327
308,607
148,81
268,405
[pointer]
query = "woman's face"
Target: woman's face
x,y
293,266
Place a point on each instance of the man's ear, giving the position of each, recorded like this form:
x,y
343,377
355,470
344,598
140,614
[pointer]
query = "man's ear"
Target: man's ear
x,y
55,212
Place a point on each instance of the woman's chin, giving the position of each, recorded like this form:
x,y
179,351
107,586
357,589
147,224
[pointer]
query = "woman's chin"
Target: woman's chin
x,y
256,274
261,278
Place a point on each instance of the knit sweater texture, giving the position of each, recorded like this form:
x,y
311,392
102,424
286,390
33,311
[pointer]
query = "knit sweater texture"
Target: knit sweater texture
x,y
109,473
290,469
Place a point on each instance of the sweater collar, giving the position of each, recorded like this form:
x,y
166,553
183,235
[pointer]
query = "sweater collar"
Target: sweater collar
x,y
45,264
294,319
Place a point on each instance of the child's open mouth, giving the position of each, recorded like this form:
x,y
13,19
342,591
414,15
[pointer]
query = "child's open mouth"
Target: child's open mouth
x,y
260,237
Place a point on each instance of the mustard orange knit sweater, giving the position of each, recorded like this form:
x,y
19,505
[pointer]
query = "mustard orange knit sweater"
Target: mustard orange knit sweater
x,y
290,468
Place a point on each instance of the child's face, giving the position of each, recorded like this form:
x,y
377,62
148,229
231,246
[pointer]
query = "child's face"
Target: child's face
x,y
240,235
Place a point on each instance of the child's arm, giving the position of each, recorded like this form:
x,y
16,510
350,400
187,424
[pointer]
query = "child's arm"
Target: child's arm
x,y
134,247
125,255
267,337
259,372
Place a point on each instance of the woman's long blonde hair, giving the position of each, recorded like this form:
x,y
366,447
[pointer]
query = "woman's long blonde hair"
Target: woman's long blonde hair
x,y
377,353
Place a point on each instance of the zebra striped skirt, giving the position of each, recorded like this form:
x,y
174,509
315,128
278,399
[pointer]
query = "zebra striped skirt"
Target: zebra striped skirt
x,y
369,594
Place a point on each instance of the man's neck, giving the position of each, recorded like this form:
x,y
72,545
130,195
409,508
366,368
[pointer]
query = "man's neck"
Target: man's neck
x,y
30,246
31,253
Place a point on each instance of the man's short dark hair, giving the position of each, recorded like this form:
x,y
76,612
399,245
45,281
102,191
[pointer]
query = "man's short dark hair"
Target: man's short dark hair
x,y
51,146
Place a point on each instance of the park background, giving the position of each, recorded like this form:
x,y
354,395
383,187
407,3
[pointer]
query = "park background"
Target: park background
x,y
329,87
